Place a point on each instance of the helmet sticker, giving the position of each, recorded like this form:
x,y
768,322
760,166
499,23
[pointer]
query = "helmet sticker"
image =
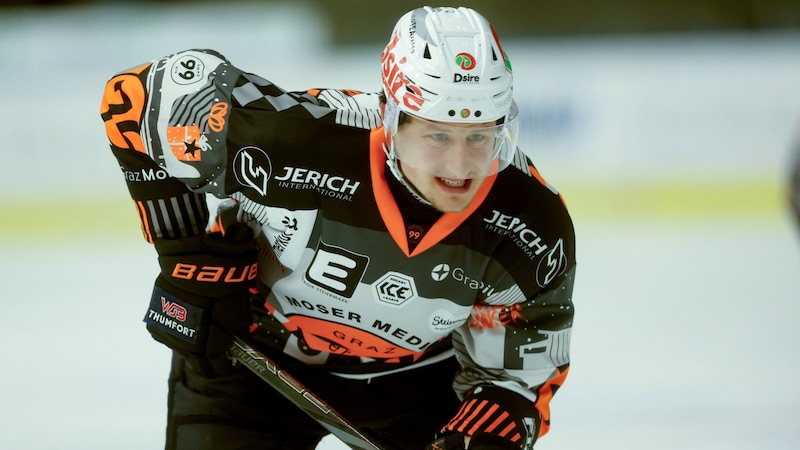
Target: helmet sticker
x,y
465,61
506,60
397,86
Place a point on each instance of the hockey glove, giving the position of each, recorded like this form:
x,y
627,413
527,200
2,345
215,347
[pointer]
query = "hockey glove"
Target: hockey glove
x,y
496,419
486,441
450,441
201,298
481,441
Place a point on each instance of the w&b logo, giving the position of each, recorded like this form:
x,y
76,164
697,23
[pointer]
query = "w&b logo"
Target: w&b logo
x,y
173,310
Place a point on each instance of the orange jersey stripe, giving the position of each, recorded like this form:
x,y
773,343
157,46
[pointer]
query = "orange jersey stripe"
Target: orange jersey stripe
x,y
537,175
383,196
541,179
545,395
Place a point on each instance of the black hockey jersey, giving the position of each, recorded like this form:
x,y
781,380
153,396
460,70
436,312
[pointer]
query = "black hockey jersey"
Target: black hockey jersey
x,y
342,286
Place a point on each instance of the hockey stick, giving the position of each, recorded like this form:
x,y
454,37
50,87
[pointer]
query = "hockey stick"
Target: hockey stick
x,y
267,370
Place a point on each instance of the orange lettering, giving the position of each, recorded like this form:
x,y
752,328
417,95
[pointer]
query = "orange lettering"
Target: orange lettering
x,y
210,274
185,271
214,274
398,84
229,278
253,272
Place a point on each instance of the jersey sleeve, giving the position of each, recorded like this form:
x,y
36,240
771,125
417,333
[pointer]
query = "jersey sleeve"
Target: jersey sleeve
x,y
166,207
353,108
169,124
513,399
514,349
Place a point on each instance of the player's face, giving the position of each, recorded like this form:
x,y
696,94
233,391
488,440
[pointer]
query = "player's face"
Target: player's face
x,y
446,162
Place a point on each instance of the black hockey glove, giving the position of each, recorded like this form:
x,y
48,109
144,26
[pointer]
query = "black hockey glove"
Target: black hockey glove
x,y
487,410
201,298
450,441
481,441
486,441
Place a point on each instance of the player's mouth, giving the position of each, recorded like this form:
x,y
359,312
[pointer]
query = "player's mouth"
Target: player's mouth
x,y
454,185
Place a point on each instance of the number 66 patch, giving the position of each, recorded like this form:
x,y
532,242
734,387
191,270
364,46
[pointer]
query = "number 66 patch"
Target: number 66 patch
x,y
187,69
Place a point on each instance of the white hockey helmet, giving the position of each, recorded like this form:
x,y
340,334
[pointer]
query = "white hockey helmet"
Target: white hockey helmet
x,y
446,65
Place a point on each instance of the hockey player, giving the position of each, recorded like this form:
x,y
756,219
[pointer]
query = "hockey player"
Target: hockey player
x,y
395,251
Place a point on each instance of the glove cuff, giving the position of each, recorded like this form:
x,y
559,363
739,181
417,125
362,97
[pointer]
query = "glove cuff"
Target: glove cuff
x,y
177,322
196,324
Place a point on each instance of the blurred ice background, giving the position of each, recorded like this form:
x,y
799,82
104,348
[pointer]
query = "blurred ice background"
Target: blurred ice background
x,y
671,151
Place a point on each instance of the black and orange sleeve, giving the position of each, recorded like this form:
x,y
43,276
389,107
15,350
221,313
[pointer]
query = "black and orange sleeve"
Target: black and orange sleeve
x,y
166,207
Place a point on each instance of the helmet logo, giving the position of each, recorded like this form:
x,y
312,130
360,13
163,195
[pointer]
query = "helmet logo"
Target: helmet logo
x,y
465,113
465,61
507,61
396,85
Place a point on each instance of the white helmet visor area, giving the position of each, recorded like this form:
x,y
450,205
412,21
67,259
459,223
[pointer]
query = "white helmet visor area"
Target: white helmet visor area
x,y
460,151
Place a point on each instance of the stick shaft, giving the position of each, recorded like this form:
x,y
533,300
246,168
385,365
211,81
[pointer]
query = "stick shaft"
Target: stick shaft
x,y
283,382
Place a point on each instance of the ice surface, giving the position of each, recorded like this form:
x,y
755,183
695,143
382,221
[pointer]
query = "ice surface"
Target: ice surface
x,y
686,338
686,333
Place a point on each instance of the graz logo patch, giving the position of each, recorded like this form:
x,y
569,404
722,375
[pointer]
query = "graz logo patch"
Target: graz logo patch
x,y
252,168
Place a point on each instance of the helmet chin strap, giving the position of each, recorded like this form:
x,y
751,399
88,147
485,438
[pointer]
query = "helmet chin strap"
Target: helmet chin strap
x,y
394,167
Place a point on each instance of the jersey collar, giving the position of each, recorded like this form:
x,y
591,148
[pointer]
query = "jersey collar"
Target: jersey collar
x,y
390,212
